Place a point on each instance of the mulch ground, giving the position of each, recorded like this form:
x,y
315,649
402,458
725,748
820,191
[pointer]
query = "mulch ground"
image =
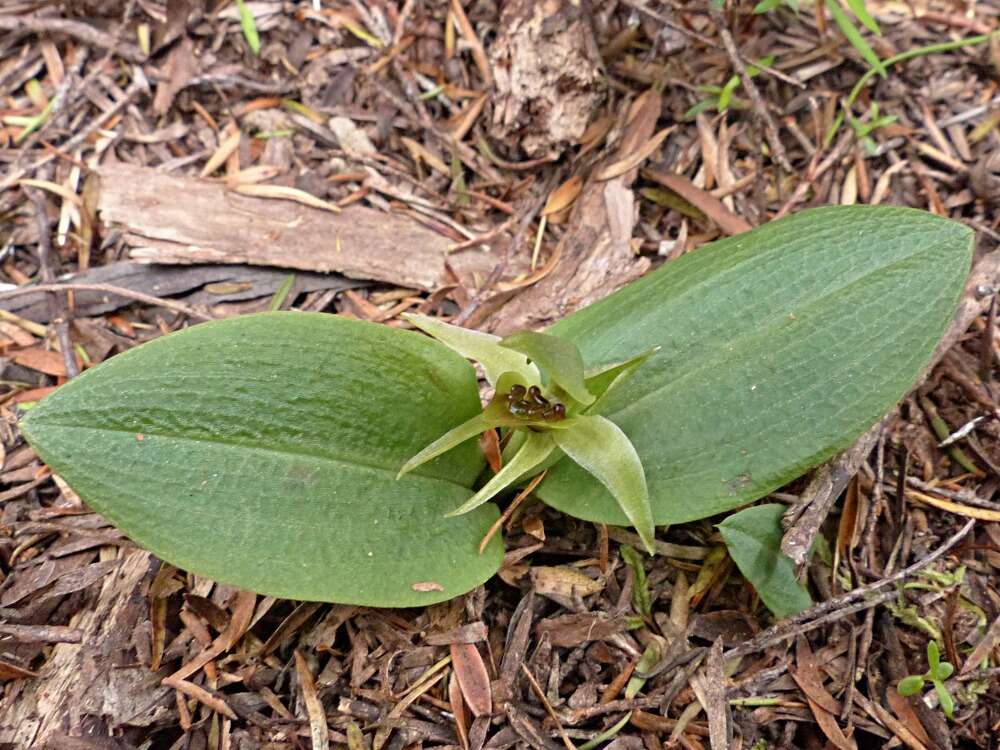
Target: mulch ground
x,y
480,126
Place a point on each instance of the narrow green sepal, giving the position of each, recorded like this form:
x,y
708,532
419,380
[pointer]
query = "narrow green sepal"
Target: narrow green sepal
x,y
482,347
537,447
466,431
599,446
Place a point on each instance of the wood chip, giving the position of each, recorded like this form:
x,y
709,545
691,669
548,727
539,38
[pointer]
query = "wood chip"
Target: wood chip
x,y
319,731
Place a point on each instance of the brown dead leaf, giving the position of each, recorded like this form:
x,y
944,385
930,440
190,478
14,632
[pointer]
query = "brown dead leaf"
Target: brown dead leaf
x,y
641,122
35,394
420,153
465,119
489,442
228,144
959,509
237,626
201,695
473,679
534,526
55,188
708,204
41,360
563,196
890,722
458,710
17,335
903,709
595,133
809,678
636,157
253,175
569,631
173,26
825,708
10,671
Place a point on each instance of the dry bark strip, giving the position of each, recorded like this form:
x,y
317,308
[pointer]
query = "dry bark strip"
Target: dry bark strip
x,y
174,219
198,285
92,686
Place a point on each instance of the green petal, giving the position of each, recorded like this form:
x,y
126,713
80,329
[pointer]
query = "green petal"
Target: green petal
x,y
537,447
558,358
484,348
910,685
465,431
604,379
599,446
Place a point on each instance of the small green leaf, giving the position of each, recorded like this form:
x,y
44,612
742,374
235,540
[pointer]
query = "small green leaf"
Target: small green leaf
x,y
727,93
282,294
765,6
599,446
558,358
606,734
944,670
910,685
860,11
482,347
753,537
755,69
649,659
933,655
947,702
640,589
855,38
249,26
702,105
537,447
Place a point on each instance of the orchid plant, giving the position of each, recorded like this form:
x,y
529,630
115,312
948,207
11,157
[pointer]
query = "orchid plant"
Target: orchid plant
x,y
551,407
318,458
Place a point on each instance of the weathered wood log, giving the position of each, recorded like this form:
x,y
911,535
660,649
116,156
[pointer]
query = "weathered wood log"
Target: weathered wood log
x,y
176,219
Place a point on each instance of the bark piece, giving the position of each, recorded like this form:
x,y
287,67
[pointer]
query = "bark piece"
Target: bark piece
x,y
595,254
88,688
196,285
175,219
547,73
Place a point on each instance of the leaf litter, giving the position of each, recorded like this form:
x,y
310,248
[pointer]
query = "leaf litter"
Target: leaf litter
x,y
391,109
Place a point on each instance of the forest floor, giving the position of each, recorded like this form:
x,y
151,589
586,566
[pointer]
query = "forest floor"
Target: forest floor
x,y
448,131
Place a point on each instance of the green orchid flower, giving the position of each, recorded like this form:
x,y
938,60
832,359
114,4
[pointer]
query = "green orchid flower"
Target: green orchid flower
x,y
551,404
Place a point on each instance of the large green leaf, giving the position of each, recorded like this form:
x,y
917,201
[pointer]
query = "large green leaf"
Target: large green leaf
x,y
753,537
262,451
779,347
